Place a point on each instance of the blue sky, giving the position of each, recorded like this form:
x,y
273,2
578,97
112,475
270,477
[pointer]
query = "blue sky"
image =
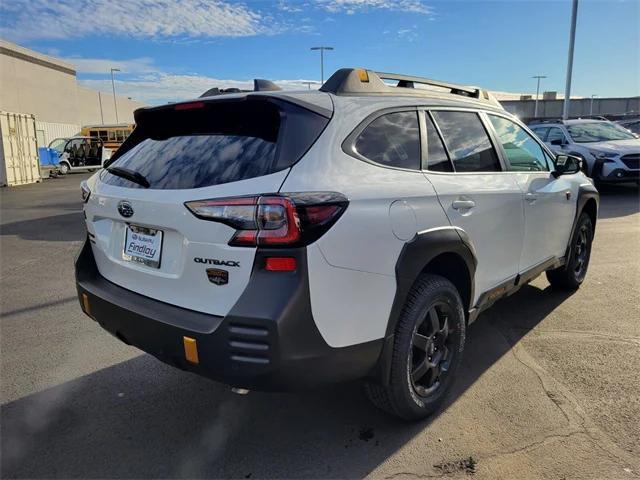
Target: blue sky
x,y
169,50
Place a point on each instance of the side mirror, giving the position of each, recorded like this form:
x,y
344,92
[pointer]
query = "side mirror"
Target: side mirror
x,y
558,142
567,165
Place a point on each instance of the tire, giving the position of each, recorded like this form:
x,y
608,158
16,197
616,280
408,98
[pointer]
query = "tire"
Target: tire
x,y
571,275
63,168
413,394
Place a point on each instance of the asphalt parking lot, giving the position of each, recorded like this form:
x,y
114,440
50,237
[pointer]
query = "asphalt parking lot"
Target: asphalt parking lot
x,y
549,387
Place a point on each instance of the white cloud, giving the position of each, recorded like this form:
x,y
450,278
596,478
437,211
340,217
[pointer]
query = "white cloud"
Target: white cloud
x,y
159,87
25,20
352,6
101,65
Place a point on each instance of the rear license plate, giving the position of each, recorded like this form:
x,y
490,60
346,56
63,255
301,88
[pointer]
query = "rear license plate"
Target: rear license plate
x,y
143,245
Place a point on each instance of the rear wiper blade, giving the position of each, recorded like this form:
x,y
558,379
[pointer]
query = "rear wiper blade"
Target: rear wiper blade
x,y
135,177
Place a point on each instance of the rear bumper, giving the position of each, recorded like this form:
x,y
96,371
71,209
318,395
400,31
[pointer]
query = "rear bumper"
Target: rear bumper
x,y
268,341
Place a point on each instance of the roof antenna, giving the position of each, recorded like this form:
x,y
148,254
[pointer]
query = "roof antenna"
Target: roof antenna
x,y
262,85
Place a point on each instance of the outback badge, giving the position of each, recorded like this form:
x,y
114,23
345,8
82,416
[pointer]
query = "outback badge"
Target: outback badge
x,y
218,276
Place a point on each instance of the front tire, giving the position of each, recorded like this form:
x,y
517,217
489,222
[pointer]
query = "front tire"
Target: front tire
x,y
428,345
64,168
572,274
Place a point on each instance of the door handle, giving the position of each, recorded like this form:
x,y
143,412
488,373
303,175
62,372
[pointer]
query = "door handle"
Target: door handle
x,y
463,204
531,197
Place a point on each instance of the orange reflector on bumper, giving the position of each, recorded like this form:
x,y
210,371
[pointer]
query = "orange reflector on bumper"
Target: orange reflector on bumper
x,y
190,349
85,304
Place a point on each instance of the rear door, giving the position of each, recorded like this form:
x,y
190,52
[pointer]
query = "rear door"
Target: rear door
x,y
549,205
146,240
477,194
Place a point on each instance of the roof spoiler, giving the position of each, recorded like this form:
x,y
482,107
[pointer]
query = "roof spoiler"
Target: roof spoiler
x,y
358,81
259,85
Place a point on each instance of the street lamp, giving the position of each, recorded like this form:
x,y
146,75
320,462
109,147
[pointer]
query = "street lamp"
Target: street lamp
x,y
322,49
113,86
591,105
572,41
535,108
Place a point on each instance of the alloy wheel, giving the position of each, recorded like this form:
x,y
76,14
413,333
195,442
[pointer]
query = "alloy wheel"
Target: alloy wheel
x,y
431,349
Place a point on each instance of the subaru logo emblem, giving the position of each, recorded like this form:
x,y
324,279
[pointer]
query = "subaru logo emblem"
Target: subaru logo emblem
x,y
125,209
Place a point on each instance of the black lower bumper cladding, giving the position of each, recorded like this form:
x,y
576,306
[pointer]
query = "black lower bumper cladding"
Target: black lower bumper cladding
x,y
268,341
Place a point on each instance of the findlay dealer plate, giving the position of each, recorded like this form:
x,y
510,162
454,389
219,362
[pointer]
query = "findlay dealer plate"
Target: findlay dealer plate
x,y
143,245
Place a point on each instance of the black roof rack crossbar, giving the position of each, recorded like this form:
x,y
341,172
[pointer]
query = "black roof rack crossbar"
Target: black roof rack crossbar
x,y
408,81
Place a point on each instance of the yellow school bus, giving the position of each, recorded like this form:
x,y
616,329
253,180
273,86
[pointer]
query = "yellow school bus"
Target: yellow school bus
x,y
112,136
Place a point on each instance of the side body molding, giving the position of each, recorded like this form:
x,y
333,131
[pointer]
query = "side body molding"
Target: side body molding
x,y
417,254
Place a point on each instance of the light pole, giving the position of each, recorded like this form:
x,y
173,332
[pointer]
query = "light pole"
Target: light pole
x,y
572,40
113,86
591,105
535,108
322,49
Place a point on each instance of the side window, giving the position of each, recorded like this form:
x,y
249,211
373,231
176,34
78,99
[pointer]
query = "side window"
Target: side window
x,y
392,140
523,152
467,141
558,135
541,132
437,159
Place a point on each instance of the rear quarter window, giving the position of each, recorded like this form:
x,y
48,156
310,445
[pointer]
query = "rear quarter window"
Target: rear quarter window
x,y
392,140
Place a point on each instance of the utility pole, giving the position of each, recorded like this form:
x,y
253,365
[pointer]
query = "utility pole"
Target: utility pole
x,y
591,105
322,49
572,40
113,86
535,108
100,101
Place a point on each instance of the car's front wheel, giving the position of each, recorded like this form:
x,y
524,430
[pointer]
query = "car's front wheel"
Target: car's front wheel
x,y
428,345
572,274
64,168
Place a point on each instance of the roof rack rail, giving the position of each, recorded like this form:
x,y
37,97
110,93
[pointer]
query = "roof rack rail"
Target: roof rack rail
x,y
545,120
359,81
259,85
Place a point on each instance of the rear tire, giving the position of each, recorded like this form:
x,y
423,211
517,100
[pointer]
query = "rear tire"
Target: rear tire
x,y
427,350
571,275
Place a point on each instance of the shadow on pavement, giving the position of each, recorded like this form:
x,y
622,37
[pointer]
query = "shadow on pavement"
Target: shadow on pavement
x,y
618,200
142,419
56,228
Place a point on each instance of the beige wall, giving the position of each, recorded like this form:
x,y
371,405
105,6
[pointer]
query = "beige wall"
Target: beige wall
x,y
47,88
89,107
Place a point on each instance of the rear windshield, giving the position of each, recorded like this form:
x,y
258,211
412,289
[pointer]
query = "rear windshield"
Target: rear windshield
x,y
216,143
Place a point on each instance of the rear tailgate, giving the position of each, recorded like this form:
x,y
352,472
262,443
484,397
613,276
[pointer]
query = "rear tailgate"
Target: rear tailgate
x,y
184,156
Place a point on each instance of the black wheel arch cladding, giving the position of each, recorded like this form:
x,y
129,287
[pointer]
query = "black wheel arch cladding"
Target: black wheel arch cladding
x,y
420,253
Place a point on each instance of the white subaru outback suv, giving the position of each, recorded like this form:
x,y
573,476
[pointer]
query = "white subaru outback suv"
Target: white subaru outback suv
x,y
274,240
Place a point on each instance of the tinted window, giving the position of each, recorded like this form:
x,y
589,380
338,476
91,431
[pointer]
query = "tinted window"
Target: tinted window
x,y
219,142
541,132
392,140
467,141
556,134
523,152
437,159
192,161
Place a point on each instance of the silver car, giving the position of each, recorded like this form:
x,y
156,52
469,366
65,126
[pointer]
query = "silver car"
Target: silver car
x,y
609,152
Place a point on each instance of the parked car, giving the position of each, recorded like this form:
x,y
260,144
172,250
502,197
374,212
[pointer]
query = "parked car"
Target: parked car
x,y
610,153
79,153
282,240
633,125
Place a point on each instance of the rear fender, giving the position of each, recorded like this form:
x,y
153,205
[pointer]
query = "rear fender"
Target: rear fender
x,y
414,259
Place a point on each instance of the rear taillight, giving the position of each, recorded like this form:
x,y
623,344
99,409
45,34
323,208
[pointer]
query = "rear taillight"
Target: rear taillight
x,y
274,220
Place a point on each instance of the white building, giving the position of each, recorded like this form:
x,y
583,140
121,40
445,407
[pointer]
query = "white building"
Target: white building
x,y
47,88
